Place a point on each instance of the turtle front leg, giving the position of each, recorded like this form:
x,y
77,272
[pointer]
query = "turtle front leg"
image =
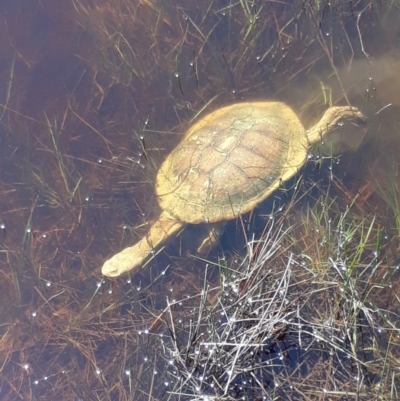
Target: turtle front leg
x,y
211,239
132,257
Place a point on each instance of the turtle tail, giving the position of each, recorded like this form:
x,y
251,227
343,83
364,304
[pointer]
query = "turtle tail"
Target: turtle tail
x,y
132,257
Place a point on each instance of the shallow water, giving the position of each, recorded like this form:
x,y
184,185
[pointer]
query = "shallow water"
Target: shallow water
x,y
93,96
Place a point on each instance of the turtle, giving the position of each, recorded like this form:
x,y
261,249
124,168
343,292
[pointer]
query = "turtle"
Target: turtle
x,y
226,164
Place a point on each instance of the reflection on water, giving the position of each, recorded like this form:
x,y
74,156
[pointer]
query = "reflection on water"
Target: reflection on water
x,y
92,98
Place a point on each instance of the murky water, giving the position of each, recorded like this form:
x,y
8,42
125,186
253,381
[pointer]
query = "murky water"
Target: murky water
x,y
93,96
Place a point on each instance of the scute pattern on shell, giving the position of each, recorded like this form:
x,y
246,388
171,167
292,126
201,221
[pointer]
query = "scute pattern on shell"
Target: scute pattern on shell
x,y
229,160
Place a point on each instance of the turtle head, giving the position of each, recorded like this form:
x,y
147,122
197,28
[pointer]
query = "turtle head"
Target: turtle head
x,y
334,118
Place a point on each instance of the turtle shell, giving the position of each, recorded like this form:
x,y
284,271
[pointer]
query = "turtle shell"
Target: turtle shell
x,y
230,160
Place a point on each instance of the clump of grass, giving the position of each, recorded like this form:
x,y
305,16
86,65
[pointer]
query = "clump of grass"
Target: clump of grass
x,y
278,328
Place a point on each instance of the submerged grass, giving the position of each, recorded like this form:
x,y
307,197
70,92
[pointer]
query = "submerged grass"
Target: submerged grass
x,y
293,320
